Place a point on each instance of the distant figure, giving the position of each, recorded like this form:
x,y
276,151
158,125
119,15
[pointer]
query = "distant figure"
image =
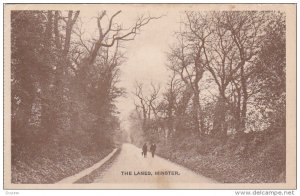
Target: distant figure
x,y
144,153
152,149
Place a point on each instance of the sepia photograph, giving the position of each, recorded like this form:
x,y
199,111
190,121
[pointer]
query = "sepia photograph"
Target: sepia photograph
x,y
150,96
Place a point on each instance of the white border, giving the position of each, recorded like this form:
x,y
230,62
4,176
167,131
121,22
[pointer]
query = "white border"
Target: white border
x,y
128,192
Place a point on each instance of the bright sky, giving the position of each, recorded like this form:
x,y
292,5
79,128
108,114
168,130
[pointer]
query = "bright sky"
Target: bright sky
x,y
147,59
146,55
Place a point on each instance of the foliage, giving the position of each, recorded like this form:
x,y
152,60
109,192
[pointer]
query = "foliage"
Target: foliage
x,y
227,80
64,88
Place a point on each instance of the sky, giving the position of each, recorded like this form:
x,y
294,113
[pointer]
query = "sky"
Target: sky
x,y
145,55
146,59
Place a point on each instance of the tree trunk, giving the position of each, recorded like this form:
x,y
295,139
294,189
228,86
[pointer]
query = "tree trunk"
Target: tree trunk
x,y
245,99
237,113
46,106
196,107
219,125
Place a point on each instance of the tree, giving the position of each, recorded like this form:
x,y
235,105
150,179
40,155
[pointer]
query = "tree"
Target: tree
x,y
30,63
64,84
146,104
268,85
230,48
186,59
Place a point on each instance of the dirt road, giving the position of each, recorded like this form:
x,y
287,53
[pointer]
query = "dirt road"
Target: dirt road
x,y
131,167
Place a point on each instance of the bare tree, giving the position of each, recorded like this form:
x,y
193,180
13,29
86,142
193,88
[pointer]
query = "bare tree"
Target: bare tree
x,y
189,61
142,103
231,44
115,32
152,100
147,103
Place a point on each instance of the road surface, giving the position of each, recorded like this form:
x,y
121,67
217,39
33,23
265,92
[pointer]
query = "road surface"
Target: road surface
x,y
131,167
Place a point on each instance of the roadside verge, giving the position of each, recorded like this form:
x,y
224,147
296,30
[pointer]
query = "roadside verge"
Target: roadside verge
x,y
74,178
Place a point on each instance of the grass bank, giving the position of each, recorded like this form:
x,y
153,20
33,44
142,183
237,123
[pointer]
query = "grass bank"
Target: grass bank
x,y
247,158
47,162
